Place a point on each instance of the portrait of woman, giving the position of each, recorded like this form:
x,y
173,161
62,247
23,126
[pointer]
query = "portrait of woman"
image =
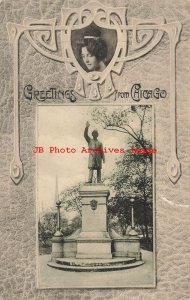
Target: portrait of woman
x,y
93,47
93,51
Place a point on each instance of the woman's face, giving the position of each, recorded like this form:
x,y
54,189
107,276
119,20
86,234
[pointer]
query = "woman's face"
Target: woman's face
x,y
90,61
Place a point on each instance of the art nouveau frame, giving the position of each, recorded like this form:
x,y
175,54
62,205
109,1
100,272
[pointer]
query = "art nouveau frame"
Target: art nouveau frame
x,y
146,34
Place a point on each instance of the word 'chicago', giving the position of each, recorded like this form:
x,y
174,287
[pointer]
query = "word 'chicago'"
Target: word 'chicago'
x,y
137,93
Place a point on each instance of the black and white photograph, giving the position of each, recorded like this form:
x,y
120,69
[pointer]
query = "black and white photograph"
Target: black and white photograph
x,y
94,47
95,196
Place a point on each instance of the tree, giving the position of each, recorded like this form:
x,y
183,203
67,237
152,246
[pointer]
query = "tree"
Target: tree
x,y
47,227
71,199
132,177
133,121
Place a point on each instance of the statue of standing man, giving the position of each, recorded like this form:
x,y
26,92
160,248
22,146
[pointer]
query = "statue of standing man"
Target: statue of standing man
x,y
96,154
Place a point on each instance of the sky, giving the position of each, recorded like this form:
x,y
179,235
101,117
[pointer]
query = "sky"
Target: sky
x,y
63,126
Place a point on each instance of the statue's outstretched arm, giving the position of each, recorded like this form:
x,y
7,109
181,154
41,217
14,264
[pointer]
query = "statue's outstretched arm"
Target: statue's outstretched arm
x,y
86,136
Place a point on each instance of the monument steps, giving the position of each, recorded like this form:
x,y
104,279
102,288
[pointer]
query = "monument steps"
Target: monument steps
x,y
94,262
103,268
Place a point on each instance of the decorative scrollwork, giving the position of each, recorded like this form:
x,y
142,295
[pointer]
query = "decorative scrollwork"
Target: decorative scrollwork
x,y
174,169
46,38
146,34
41,34
103,17
141,37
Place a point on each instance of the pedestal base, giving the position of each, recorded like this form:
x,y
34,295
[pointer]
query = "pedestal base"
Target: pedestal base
x,y
57,246
93,248
127,247
94,240
94,265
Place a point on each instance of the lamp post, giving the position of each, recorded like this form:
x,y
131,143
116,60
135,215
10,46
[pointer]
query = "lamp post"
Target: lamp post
x,y
58,232
133,236
132,214
132,232
57,240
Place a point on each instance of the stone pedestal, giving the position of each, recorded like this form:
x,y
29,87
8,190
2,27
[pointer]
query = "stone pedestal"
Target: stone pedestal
x,y
94,240
127,247
57,246
133,247
70,245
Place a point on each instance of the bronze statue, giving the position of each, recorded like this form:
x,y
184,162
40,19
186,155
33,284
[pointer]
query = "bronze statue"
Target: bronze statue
x,y
96,154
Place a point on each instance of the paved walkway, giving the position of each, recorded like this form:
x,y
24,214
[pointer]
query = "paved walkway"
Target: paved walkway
x,y
142,276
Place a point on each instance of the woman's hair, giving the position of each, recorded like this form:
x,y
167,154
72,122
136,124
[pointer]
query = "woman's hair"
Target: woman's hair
x,y
96,46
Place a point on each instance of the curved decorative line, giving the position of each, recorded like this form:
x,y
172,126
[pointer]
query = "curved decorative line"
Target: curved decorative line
x,y
43,52
16,167
173,165
95,7
142,52
52,46
65,42
174,204
145,35
32,25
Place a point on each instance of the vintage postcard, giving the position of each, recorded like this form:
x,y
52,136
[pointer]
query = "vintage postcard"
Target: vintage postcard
x,y
95,154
